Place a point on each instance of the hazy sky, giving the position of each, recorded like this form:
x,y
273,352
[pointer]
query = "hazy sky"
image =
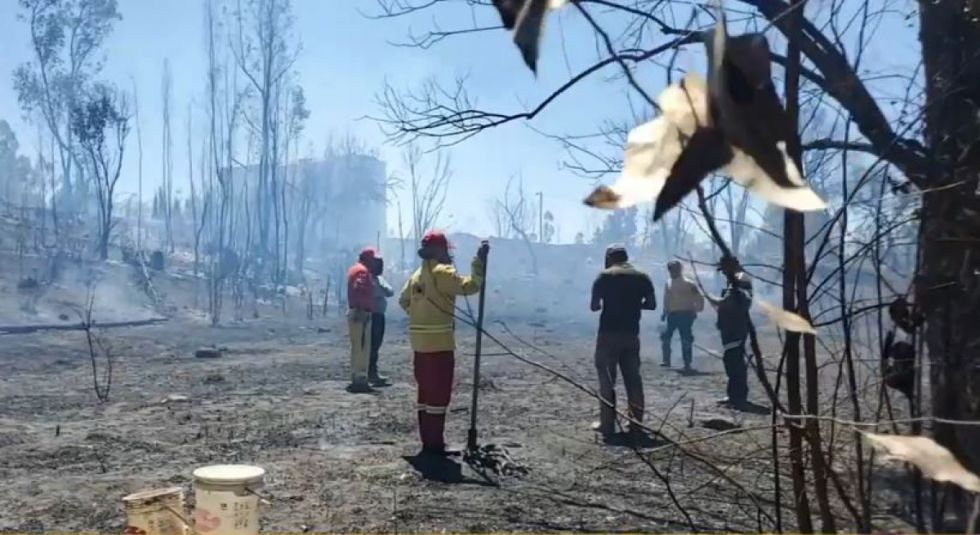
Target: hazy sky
x,y
344,62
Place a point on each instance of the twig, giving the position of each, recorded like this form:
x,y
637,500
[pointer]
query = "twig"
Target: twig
x,y
853,423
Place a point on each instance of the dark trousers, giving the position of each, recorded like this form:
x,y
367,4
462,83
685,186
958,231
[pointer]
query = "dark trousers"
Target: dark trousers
x,y
737,371
618,351
377,336
682,322
434,376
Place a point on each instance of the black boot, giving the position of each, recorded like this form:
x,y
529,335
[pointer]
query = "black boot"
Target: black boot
x,y
375,378
359,387
378,380
440,451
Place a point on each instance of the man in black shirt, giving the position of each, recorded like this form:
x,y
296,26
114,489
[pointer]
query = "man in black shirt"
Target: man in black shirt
x,y
733,325
621,292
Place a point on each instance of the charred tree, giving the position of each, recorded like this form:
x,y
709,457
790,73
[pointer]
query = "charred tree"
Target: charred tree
x,y
428,192
139,157
101,125
264,54
948,284
795,282
66,38
167,160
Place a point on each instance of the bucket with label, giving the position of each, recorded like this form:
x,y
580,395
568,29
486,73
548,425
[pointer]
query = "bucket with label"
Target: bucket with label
x,y
227,499
155,512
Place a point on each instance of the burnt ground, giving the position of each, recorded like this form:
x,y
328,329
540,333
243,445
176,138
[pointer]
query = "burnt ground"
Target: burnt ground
x,y
336,461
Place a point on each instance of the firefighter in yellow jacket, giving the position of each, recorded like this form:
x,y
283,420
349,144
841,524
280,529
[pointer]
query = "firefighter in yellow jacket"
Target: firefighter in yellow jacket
x,y
429,298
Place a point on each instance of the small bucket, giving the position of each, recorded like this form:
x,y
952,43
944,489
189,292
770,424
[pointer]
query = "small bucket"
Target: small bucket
x,y
226,501
155,512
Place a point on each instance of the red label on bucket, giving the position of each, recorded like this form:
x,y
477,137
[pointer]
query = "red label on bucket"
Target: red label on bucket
x,y
205,521
133,530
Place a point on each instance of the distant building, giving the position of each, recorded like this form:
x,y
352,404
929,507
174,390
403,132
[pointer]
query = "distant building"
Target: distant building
x,y
335,204
351,196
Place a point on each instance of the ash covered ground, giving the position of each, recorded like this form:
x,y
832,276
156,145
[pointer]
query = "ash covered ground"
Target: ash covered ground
x,y
337,461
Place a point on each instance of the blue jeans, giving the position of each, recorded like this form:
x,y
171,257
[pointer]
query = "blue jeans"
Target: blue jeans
x,y
682,322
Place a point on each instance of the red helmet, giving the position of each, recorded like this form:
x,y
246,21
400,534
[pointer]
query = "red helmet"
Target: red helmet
x,y
436,238
368,254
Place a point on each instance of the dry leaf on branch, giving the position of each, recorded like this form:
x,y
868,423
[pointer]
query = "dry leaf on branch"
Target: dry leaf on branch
x,y
758,127
652,148
526,18
733,124
786,320
662,153
898,365
906,316
935,461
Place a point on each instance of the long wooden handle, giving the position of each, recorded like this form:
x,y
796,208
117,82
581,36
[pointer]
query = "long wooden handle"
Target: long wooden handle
x,y
471,434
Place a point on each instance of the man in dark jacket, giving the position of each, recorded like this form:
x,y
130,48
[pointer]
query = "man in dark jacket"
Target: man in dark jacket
x,y
621,292
733,325
382,291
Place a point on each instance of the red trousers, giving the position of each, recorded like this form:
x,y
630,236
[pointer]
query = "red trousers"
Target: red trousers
x,y
434,376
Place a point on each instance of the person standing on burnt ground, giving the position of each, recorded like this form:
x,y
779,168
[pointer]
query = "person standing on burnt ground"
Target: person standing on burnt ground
x,y
682,303
360,303
382,291
429,298
733,326
621,292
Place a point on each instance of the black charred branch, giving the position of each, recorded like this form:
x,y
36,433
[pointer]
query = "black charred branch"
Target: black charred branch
x,y
451,116
842,83
81,326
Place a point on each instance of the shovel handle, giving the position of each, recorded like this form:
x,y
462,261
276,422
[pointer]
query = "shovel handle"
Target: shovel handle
x,y
471,443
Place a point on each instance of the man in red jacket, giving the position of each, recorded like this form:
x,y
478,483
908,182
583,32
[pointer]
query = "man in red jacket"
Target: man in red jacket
x,y
360,300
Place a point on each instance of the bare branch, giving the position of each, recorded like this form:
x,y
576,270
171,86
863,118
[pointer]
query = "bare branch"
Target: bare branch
x,y
428,114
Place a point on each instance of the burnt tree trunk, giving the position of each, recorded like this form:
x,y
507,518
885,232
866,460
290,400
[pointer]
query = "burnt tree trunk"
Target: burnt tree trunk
x,y
948,283
794,289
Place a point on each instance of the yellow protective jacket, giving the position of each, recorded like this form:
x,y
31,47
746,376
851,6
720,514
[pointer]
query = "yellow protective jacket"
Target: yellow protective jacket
x,y
429,298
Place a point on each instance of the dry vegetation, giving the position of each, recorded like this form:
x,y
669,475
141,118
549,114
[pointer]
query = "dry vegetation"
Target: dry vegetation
x,y
276,398
105,303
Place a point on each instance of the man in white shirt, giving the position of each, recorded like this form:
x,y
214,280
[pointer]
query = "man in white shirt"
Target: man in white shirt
x,y
682,303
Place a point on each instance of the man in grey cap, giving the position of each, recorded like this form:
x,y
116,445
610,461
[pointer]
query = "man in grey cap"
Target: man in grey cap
x,y
621,292
682,303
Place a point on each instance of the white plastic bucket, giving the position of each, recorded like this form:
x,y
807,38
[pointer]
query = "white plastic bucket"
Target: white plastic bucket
x,y
155,512
226,502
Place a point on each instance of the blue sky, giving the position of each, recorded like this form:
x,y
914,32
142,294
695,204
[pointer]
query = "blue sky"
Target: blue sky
x,y
344,62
